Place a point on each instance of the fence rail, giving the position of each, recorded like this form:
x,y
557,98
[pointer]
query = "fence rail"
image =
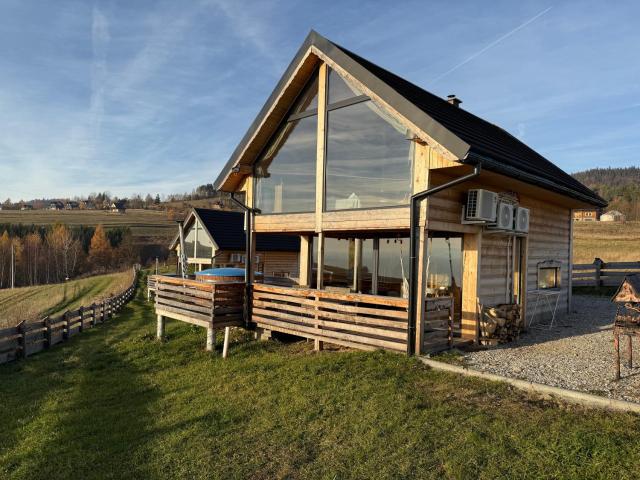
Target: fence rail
x,y
354,320
29,337
602,274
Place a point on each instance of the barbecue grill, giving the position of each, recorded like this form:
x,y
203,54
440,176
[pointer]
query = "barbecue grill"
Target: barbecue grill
x,y
627,322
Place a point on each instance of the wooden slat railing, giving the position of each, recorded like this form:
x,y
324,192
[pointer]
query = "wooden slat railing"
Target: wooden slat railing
x,y
200,303
29,337
354,320
602,274
438,325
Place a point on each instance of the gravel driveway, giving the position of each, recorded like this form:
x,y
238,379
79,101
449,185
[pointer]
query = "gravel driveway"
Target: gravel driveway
x,y
578,356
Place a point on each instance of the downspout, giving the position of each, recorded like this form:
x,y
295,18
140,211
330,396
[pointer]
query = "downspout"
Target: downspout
x,y
416,199
248,212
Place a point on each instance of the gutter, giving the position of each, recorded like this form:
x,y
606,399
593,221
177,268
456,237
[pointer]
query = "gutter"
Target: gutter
x,y
248,258
416,200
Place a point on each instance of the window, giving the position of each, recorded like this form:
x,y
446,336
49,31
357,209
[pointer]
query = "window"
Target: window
x,y
204,247
286,171
548,275
368,158
189,243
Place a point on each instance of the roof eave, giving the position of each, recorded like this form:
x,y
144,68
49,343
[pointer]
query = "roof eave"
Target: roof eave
x,y
502,168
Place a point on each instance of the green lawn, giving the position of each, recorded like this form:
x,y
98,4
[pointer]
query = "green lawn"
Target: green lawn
x,y
114,403
32,303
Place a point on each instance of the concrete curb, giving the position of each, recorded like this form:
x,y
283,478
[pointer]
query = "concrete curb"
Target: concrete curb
x,y
571,396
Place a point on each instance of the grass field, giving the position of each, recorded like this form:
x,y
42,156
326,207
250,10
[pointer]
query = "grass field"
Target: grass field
x,y
148,223
29,303
612,242
115,403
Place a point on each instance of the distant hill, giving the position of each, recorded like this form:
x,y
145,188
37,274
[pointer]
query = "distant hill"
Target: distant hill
x,y
619,186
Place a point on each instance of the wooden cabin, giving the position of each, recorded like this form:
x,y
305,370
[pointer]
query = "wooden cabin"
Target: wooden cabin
x,y
118,206
335,156
216,238
586,215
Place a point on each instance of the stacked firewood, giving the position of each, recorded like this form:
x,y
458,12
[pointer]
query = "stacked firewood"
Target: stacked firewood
x,y
500,324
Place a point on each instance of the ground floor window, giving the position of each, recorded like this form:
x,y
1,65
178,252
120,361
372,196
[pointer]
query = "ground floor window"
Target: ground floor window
x,y
380,265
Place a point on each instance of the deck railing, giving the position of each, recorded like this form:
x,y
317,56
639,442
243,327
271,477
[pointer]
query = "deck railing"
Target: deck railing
x,y
602,274
361,321
204,304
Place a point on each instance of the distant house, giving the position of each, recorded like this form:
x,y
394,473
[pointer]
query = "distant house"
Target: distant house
x,y
217,238
613,216
71,205
586,215
87,205
56,205
119,206
26,206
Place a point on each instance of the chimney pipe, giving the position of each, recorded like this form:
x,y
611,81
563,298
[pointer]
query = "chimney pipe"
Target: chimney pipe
x,y
453,100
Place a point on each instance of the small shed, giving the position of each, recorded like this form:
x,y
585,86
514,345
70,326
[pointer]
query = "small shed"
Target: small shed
x,y
613,216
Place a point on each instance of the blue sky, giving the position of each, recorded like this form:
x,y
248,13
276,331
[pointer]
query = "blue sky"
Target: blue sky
x,y
152,96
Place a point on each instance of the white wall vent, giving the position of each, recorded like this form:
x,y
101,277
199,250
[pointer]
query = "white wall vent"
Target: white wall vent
x,y
481,206
521,223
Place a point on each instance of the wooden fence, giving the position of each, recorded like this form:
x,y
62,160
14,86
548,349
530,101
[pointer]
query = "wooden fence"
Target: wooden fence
x,y
361,321
29,337
602,274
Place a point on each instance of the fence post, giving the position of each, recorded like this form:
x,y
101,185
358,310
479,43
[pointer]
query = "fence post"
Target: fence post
x,y
93,314
47,333
65,332
81,311
597,263
22,330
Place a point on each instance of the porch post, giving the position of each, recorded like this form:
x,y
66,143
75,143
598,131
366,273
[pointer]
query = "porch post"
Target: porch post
x,y
317,344
305,261
472,247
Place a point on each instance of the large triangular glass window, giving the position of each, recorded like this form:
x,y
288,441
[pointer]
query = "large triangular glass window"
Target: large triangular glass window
x,y
285,172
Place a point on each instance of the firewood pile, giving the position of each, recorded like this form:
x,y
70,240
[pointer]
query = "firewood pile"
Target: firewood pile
x,y
500,324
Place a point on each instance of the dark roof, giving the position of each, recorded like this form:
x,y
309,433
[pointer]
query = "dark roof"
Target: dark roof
x,y
467,136
227,230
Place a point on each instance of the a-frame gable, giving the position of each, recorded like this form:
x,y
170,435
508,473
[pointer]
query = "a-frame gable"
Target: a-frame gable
x,y
314,50
188,223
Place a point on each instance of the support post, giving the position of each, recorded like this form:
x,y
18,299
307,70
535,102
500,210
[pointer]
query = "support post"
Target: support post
x,y
211,338
225,345
81,312
616,348
598,268
48,335
160,328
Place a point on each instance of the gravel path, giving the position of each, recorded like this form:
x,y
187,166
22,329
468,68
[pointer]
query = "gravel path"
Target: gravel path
x,y
578,356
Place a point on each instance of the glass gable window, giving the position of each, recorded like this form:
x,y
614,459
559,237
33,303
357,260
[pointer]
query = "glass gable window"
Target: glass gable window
x,y
189,243
368,158
204,247
285,173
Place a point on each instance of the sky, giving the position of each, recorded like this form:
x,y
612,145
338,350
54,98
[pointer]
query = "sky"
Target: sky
x,y
153,96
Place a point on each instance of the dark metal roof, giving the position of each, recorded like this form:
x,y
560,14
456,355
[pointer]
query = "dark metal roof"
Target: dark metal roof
x,y
465,135
227,230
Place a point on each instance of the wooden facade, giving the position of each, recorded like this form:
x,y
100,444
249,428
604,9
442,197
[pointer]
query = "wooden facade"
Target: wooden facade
x,y
496,267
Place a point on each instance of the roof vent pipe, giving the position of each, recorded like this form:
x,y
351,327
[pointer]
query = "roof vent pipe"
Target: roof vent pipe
x,y
453,100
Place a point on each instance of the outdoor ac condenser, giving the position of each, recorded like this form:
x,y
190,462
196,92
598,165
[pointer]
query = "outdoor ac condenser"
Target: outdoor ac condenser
x,y
504,220
481,206
521,222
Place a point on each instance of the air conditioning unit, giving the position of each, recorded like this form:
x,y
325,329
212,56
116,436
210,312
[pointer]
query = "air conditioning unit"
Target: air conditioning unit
x,y
481,206
521,221
504,220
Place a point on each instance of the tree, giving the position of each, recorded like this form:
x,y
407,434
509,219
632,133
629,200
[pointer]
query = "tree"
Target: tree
x,y
5,257
32,250
100,251
65,251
